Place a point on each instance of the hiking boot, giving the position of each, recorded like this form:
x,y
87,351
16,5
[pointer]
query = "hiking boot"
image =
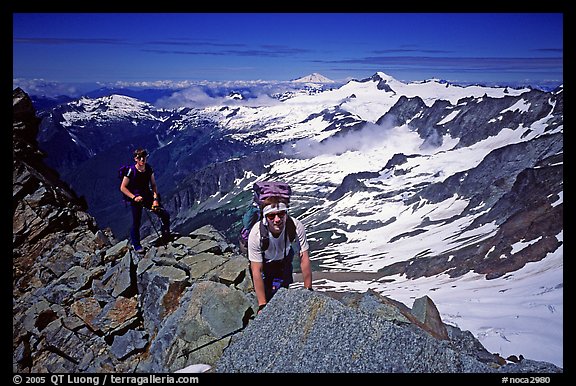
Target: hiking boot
x,y
164,239
139,250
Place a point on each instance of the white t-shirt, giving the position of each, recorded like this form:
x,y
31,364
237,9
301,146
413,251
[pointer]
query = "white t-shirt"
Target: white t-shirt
x,y
278,247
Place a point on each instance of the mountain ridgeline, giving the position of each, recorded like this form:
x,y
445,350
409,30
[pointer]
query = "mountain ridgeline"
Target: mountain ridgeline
x,y
375,159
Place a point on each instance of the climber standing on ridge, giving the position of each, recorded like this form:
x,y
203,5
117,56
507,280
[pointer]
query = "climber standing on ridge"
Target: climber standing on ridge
x,y
139,188
271,260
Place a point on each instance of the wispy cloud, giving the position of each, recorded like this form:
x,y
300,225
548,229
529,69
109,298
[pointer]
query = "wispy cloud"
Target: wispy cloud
x,y
214,94
219,49
367,137
553,50
192,42
263,51
52,89
64,41
408,50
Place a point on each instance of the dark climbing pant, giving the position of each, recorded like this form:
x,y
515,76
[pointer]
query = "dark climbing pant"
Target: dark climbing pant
x,y
137,209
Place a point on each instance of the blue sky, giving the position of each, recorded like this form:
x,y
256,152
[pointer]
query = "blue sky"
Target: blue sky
x,y
147,47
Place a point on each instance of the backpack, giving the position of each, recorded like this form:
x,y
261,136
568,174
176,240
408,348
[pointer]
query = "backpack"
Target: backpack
x,y
263,190
123,172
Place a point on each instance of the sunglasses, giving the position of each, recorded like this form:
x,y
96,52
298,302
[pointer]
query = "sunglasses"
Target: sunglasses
x,y
272,216
141,157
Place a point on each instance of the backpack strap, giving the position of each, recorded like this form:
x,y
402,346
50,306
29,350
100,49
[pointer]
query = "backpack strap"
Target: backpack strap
x,y
128,172
264,238
290,229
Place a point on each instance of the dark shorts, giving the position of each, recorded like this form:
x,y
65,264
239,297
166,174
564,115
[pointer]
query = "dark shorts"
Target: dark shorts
x,y
277,274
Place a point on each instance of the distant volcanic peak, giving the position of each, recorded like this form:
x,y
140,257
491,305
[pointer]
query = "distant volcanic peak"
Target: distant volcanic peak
x,y
313,78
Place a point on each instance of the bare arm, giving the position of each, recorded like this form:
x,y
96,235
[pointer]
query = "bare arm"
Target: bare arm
x,y
153,185
306,269
256,269
124,189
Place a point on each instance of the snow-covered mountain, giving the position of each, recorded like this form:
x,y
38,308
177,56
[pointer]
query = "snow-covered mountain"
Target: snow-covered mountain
x,y
405,188
313,78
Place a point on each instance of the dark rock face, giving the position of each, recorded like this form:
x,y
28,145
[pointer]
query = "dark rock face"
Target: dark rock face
x,y
515,186
351,183
199,185
521,195
472,122
46,212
